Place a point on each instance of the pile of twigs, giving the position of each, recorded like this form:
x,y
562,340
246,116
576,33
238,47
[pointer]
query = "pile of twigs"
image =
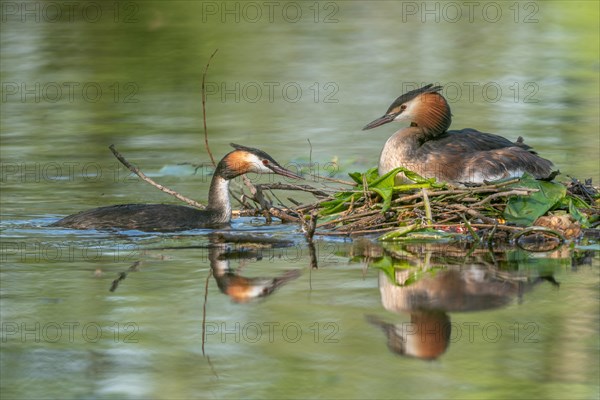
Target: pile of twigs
x,y
426,206
447,209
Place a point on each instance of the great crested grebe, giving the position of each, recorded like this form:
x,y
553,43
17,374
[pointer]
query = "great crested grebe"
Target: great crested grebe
x,y
167,217
428,148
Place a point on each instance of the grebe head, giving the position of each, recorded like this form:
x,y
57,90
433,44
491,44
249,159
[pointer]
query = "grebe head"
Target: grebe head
x,y
247,159
424,108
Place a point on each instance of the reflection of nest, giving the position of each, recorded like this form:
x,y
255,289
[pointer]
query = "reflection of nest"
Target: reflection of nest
x,y
449,290
444,277
426,255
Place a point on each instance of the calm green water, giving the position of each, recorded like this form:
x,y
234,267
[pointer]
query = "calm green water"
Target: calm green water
x,y
76,79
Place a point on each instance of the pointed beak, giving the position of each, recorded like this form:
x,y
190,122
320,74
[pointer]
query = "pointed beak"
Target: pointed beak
x,y
279,170
380,121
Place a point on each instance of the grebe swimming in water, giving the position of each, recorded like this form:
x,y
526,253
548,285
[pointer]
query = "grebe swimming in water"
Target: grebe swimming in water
x,y
466,156
167,217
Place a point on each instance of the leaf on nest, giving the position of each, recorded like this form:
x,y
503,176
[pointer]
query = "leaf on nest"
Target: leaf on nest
x,y
524,210
578,215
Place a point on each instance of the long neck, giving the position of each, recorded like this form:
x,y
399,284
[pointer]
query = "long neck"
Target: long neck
x,y
401,149
220,266
218,196
432,115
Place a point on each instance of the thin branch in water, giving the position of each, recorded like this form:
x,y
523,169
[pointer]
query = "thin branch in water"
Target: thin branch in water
x,y
309,224
122,275
143,177
204,108
115,283
204,310
212,367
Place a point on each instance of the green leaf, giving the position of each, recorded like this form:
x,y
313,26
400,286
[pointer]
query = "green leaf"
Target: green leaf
x,y
386,195
385,180
576,201
335,206
371,175
524,210
578,215
412,186
356,177
416,177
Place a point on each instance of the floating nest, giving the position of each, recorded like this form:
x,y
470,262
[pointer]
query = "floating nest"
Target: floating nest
x,y
526,210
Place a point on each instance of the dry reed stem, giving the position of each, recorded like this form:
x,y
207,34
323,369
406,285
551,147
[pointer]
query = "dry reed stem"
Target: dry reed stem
x,y
143,177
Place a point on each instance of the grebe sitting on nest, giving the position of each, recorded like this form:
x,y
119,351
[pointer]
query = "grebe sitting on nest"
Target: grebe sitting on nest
x,y
428,148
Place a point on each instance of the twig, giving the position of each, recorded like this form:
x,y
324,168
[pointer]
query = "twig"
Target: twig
x,y
287,186
204,108
427,207
275,197
210,272
282,215
504,194
362,232
350,218
143,177
122,275
473,213
471,230
309,223
333,180
257,195
236,198
490,242
365,191
499,227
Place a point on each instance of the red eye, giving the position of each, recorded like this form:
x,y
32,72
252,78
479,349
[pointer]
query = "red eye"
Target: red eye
x,y
265,162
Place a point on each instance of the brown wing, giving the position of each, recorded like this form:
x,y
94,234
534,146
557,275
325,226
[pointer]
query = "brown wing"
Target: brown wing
x,y
472,156
470,140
